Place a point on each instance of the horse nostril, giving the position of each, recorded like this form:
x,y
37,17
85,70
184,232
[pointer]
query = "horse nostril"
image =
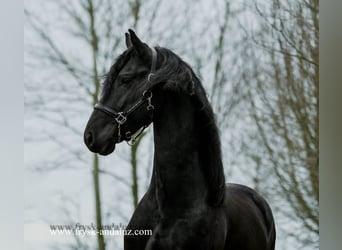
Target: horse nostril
x,y
89,139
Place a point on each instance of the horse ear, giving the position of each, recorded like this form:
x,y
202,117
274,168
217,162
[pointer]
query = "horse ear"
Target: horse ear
x,y
128,40
142,48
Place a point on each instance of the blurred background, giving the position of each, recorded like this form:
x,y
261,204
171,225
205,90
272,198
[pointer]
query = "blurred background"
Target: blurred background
x,y
258,61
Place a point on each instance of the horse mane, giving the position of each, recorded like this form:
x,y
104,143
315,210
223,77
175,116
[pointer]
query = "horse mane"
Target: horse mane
x,y
177,75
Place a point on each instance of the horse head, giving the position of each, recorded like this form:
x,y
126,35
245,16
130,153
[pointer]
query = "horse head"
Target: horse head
x,y
125,107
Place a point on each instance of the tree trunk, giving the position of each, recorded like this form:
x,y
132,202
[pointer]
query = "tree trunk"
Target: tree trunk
x,y
135,8
94,45
100,239
134,151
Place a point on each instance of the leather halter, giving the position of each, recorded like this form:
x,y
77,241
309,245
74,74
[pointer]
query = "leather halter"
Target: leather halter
x,y
121,117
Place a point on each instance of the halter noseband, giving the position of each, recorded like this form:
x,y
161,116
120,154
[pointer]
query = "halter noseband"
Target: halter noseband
x,y
121,117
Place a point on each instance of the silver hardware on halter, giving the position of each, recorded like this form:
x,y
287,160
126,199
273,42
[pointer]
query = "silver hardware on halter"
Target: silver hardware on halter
x,y
149,99
149,76
121,119
149,106
133,138
128,135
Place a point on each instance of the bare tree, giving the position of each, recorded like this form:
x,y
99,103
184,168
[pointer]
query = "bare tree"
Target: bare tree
x,y
135,10
72,84
281,81
81,83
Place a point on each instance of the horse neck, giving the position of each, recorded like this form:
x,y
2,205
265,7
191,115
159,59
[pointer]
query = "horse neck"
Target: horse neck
x,y
178,177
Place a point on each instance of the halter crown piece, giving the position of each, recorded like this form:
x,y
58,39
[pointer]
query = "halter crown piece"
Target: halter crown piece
x,y
121,117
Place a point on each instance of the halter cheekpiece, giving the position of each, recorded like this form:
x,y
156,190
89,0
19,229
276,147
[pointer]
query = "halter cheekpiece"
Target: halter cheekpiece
x,y
121,117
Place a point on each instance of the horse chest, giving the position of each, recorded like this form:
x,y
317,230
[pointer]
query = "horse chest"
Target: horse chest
x,y
192,232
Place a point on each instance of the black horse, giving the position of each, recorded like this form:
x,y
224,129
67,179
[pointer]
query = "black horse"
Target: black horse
x,y
187,205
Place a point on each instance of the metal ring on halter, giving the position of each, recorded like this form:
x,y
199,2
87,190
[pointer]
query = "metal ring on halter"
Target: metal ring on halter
x,y
149,94
149,76
128,135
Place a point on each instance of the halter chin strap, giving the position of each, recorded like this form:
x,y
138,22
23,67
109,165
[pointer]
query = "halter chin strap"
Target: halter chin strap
x,y
121,117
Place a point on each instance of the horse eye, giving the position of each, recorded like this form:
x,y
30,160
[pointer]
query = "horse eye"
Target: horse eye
x,y
126,78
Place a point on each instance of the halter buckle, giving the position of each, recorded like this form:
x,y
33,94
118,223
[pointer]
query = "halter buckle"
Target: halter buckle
x,y
120,119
